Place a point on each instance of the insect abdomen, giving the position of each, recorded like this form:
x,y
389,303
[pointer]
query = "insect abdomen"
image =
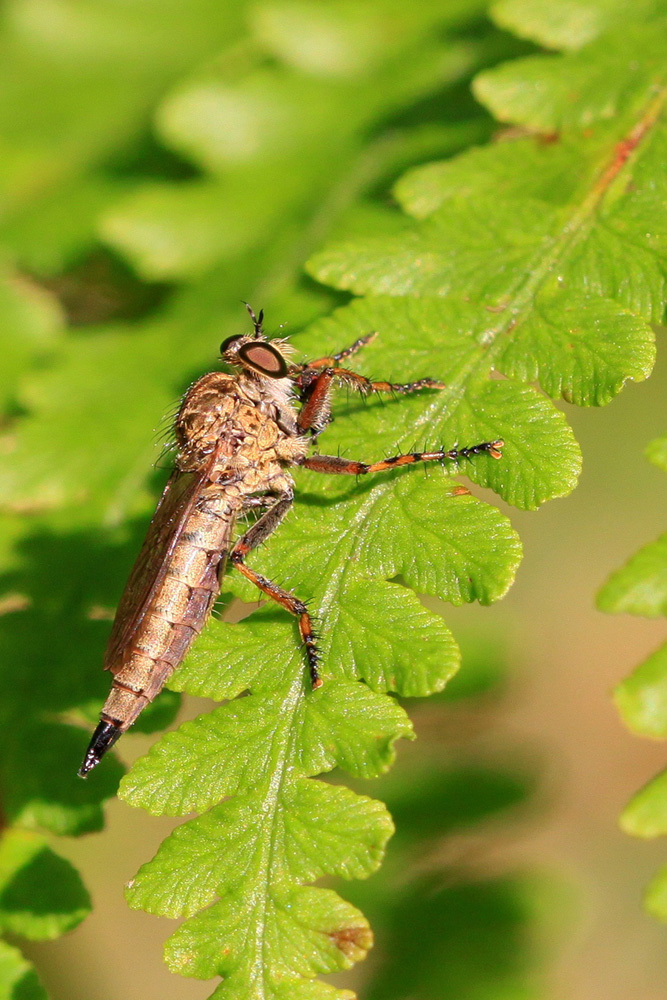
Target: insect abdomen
x,y
175,616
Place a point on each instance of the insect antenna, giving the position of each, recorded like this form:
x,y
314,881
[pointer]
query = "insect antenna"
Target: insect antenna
x,y
256,320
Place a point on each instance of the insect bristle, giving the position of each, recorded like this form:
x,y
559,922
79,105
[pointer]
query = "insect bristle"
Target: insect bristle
x,y
165,458
282,344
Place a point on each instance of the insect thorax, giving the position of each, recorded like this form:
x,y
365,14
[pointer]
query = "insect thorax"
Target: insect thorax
x,y
250,421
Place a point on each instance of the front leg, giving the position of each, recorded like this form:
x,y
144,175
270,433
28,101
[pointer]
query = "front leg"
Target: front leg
x,y
347,352
316,388
253,537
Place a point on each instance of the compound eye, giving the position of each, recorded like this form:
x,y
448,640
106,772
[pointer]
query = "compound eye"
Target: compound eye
x,y
224,346
264,359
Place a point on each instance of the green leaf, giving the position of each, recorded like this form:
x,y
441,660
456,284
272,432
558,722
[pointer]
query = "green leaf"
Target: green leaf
x,y
656,895
540,259
443,932
231,748
656,452
320,830
479,949
342,40
267,161
242,748
603,81
258,118
172,231
569,24
642,697
352,728
540,458
40,790
117,390
520,167
646,813
58,584
73,96
31,323
413,652
311,931
53,232
18,979
272,820
640,587
435,535
294,932
546,278
41,894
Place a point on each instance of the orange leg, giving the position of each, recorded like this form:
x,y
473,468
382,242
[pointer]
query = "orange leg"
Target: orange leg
x,y
255,535
345,466
332,360
316,393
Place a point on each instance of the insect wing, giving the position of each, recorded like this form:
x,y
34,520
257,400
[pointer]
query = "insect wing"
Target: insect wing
x,y
172,513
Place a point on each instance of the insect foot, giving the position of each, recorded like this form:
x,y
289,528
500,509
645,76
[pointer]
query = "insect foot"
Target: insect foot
x,y
492,448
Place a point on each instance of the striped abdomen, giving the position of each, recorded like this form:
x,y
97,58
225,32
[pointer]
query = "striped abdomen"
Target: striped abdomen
x,y
176,614
185,587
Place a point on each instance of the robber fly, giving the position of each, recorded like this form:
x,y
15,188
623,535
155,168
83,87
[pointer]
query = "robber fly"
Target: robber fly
x,y
237,435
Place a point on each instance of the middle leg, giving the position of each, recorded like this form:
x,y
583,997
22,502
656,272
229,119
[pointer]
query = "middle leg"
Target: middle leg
x,y
345,466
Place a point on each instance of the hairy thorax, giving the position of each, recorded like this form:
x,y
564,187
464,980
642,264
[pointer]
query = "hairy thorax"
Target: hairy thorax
x,y
249,423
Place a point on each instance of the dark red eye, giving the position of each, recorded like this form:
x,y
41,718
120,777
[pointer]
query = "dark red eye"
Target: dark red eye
x,y
264,359
224,346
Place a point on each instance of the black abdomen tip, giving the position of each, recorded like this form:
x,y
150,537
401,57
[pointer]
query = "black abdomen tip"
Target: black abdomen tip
x,y
102,740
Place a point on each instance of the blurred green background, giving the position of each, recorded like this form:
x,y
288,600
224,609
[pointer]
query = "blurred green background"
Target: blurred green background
x,y
159,162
